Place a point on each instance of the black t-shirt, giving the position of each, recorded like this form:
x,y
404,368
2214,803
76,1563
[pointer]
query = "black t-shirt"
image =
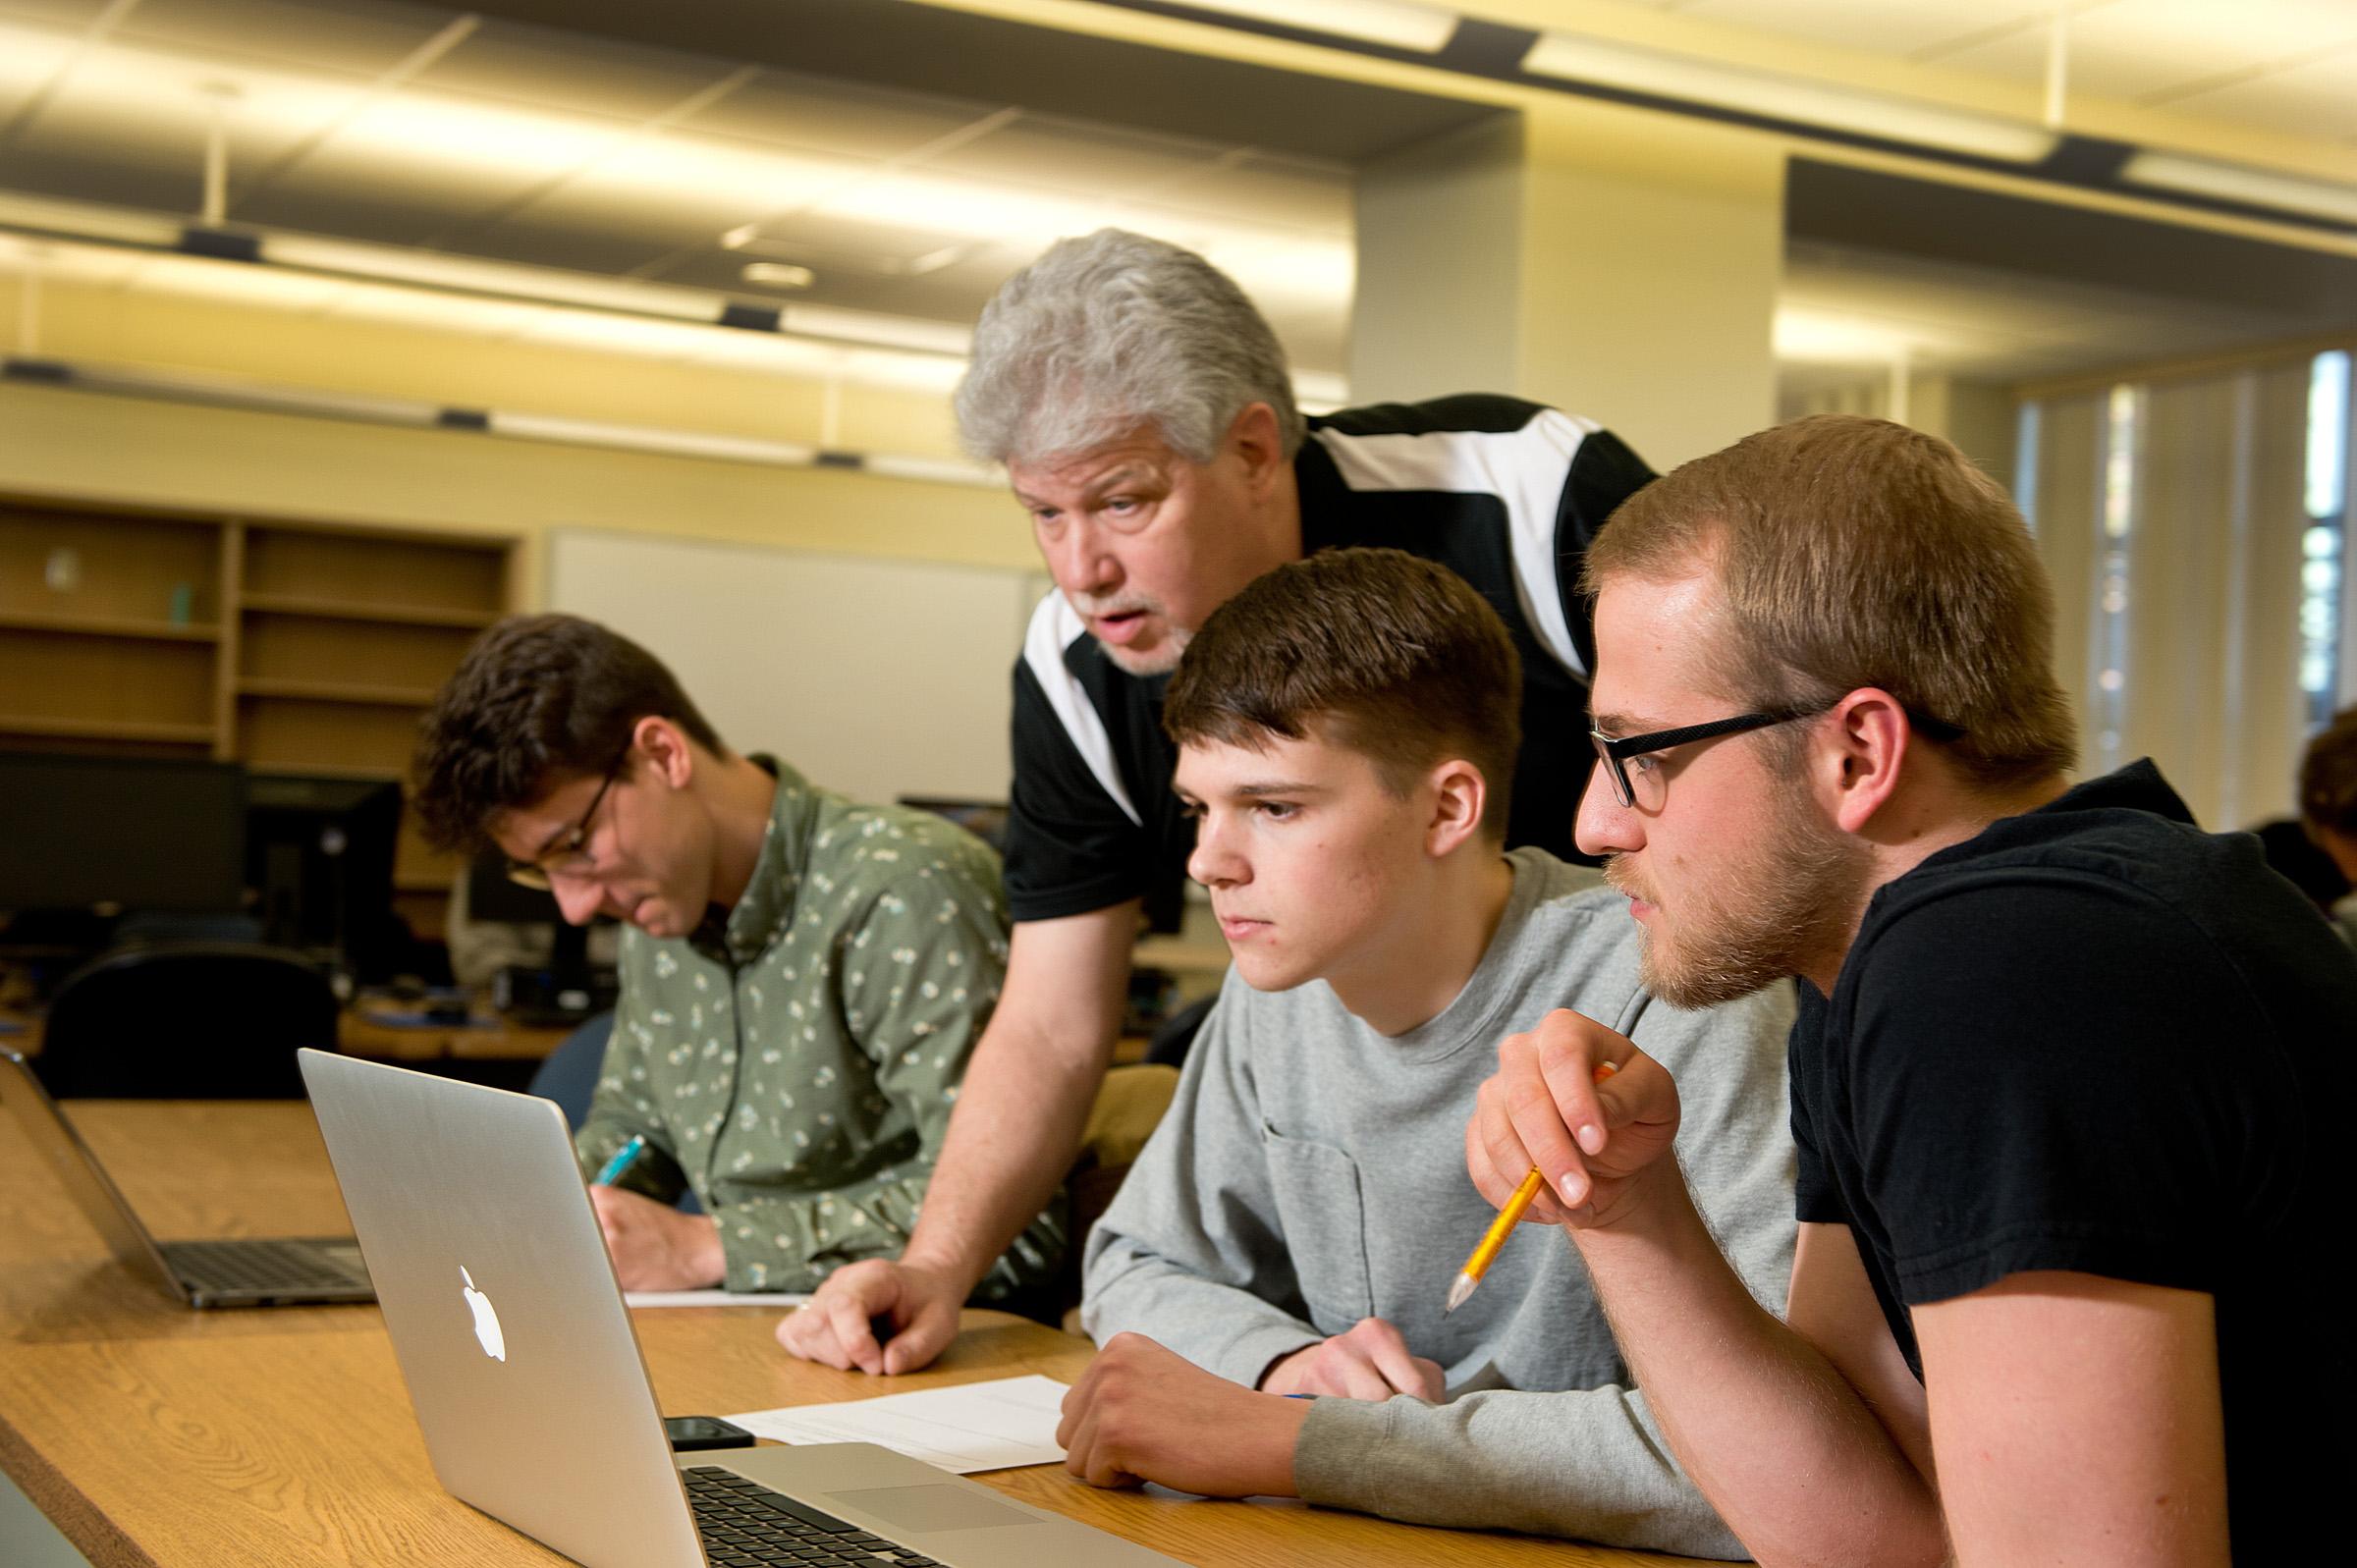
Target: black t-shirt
x,y
1504,493
2097,1038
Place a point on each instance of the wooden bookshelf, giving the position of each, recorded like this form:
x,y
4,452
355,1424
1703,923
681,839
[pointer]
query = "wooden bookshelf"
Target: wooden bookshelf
x,y
292,604
289,645
109,626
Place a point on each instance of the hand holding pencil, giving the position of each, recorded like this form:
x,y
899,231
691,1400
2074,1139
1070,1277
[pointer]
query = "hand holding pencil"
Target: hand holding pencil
x,y
1510,1213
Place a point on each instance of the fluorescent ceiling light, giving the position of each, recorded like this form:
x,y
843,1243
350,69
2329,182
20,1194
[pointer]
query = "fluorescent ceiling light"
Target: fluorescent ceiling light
x,y
776,275
83,220
1394,24
940,470
1567,58
885,331
504,279
2202,177
643,438
234,392
1818,337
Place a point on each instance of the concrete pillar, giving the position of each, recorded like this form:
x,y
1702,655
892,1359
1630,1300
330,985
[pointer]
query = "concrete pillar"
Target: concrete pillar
x,y
1616,264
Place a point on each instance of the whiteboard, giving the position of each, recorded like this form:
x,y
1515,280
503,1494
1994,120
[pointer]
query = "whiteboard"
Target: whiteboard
x,y
874,678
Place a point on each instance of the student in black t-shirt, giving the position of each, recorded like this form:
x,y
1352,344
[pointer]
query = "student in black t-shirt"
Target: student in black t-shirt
x,y
2067,1076
1146,419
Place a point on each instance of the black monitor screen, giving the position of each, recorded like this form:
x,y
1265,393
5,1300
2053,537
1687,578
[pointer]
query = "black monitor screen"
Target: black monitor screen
x,y
80,831
492,894
320,854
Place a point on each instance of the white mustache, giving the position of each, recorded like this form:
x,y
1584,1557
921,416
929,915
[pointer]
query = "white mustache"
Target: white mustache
x,y
1090,605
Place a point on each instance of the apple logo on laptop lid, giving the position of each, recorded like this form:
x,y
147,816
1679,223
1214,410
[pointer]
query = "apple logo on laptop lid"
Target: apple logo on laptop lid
x,y
486,1321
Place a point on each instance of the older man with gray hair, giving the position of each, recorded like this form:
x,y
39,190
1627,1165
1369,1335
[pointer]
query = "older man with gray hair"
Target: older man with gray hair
x,y
1145,417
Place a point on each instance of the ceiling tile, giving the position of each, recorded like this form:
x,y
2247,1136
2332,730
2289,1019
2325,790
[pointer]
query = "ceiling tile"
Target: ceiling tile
x,y
75,15
1092,159
835,116
1875,26
110,182
550,240
840,245
2141,49
29,61
144,112
1267,190
571,70
2316,99
352,36
699,187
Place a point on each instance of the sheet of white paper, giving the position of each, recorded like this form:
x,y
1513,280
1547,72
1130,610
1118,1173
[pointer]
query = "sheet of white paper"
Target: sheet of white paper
x,y
712,1298
977,1426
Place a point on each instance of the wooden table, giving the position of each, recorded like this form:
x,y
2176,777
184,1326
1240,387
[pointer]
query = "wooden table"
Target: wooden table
x,y
154,1435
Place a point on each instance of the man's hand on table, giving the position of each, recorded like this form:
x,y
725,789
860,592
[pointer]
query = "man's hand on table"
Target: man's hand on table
x,y
654,1246
837,1328
1144,1413
1370,1361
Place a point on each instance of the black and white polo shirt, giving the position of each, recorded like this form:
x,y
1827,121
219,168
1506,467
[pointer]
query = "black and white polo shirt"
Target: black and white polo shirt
x,y
1504,493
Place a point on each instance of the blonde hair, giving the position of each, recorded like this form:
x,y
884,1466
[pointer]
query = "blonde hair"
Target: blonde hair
x,y
1854,552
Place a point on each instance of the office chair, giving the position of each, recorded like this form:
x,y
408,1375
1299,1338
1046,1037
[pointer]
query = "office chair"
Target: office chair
x,y
186,1020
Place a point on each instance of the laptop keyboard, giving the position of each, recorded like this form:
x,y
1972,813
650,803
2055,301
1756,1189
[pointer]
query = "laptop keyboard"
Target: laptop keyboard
x,y
226,1266
745,1525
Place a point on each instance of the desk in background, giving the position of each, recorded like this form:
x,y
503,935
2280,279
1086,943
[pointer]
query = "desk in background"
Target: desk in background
x,y
155,1435
498,1041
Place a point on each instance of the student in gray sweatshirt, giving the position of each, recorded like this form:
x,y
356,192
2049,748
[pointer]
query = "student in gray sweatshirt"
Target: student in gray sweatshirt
x,y
1345,727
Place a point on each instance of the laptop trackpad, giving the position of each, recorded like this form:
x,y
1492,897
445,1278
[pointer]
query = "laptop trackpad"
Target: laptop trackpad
x,y
933,1508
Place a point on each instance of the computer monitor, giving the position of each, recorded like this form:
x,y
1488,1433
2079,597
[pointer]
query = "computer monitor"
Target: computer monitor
x,y
319,855
986,820
82,833
493,895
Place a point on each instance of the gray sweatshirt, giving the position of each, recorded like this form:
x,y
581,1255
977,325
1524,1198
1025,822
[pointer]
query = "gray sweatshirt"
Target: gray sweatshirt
x,y
1311,1172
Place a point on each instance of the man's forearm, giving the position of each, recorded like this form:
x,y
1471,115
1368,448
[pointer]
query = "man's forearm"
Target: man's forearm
x,y
1011,1140
1779,1441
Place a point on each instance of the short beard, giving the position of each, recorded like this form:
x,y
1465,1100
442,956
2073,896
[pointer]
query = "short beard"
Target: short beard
x,y
1772,914
1161,662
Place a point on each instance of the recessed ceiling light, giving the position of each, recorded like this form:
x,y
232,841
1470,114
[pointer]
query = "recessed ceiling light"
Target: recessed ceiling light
x,y
778,275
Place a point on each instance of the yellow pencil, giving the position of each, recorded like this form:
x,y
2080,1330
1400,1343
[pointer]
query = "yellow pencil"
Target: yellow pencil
x,y
1469,1279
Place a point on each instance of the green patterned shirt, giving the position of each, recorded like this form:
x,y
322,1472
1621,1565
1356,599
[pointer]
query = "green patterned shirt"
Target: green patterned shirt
x,y
796,1063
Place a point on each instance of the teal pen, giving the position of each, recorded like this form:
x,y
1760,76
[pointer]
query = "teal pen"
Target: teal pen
x,y
612,1168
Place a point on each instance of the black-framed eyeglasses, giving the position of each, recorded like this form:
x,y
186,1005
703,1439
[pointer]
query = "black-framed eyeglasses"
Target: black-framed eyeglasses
x,y
1644,788
1617,752
569,856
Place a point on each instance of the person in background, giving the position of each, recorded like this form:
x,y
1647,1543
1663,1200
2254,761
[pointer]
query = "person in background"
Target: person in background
x,y
2067,1078
1294,1223
2327,827
802,980
1143,411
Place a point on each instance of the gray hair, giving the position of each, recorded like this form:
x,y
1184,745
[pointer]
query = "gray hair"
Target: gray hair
x,y
1103,334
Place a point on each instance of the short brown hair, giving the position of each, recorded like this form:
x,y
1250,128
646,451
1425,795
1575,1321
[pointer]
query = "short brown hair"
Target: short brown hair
x,y
1387,653
1855,552
2329,777
538,699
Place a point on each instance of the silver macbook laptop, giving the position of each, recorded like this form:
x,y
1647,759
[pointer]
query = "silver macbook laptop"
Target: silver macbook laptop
x,y
272,1271
533,1395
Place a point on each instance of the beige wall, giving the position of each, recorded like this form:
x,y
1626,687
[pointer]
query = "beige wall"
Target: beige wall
x,y
74,444
1617,264
1981,418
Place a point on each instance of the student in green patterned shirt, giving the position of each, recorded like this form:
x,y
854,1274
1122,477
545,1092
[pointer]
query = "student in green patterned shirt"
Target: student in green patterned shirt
x,y
801,983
